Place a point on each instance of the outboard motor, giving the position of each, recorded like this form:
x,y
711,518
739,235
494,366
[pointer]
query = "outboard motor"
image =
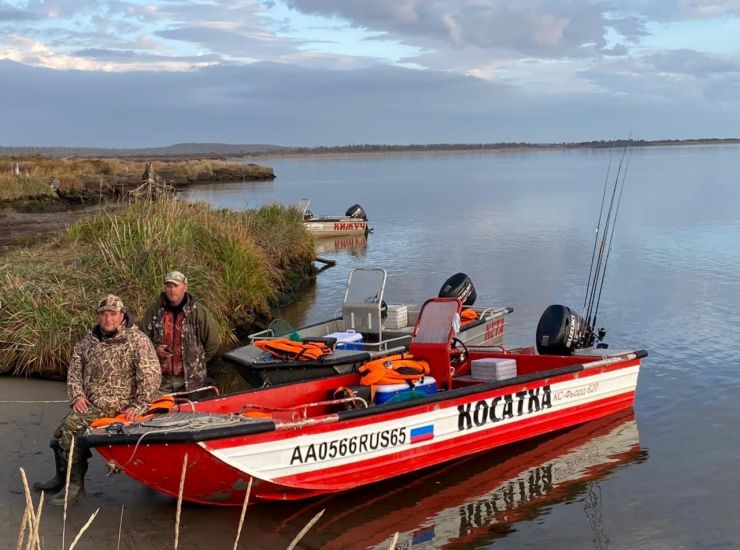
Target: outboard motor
x,y
560,331
459,286
356,211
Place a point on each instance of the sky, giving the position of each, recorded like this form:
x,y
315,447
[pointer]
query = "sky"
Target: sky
x,y
130,73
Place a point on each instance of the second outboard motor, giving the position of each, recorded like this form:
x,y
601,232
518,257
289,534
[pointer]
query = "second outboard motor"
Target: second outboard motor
x,y
356,211
560,331
459,286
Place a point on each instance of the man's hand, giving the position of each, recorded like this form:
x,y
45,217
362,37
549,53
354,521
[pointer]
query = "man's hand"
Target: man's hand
x,y
80,405
163,352
129,414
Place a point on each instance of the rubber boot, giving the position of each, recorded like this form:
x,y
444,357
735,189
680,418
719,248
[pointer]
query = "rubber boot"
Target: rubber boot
x,y
60,477
76,489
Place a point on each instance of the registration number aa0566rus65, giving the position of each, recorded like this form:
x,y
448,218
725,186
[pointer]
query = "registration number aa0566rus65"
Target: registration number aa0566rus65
x,y
346,446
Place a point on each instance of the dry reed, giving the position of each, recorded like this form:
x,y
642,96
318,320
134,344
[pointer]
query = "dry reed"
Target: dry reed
x,y
120,529
244,511
179,500
83,529
66,489
29,518
31,521
305,530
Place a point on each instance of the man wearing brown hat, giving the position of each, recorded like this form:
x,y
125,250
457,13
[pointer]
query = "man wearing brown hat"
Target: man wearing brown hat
x,y
184,334
113,371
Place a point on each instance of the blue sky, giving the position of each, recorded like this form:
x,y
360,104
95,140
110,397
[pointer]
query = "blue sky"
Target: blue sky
x,y
130,73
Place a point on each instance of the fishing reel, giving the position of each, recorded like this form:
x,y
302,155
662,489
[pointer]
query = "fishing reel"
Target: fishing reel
x,y
591,338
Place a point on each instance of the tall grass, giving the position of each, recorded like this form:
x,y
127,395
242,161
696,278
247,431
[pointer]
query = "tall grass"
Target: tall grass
x,y
14,188
236,263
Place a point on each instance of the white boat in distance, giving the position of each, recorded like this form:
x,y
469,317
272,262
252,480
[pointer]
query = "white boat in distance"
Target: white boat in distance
x,y
354,222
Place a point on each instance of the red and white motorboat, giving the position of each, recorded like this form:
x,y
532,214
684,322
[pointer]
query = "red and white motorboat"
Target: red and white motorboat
x,y
354,222
297,440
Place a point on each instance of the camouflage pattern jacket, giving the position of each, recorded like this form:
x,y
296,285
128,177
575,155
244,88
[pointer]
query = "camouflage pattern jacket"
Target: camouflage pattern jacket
x,y
114,372
200,339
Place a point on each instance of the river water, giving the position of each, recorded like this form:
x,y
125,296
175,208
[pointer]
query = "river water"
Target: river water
x,y
521,225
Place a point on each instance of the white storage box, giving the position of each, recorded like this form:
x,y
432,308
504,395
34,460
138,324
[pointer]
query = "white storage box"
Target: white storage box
x,y
347,340
493,368
396,316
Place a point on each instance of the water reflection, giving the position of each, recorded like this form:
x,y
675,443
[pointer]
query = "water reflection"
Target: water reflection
x,y
351,244
472,502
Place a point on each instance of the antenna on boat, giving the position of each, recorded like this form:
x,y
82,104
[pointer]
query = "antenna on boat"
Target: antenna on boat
x,y
560,330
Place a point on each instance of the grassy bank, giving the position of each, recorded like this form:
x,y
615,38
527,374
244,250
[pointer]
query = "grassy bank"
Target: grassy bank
x,y
25,178
22,188
237,263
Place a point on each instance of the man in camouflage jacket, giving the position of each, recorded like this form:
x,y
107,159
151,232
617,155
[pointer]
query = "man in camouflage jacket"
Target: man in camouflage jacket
x,y
184,334
114,370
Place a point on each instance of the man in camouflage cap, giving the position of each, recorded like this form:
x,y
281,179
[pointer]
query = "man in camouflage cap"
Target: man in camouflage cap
x,y
113,370
184,334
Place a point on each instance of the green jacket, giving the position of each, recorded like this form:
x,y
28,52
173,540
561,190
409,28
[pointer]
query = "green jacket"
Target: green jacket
x,y
200,338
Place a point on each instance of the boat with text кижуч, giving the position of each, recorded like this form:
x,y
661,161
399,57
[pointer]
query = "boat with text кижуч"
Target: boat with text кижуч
x,y
354,222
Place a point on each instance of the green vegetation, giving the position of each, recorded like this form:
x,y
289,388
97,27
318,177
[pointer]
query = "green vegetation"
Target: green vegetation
x,y
83,179
21,188
237,263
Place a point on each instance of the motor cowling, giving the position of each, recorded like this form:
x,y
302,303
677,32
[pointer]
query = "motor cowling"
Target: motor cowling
x,y
560,331
459,286
356,211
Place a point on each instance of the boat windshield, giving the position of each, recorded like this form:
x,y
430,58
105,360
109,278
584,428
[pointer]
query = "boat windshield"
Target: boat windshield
x,y
365,286
435,322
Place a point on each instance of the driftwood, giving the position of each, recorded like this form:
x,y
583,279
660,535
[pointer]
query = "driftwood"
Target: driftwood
x,y
151,185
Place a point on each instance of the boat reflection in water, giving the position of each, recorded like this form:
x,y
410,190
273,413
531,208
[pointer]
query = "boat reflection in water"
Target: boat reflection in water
x,y
475,500
352,244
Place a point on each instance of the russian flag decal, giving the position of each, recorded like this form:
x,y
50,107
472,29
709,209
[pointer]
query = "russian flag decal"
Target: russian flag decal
x,y
422,433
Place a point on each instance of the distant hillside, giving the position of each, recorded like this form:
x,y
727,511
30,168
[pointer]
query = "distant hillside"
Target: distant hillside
x,y
254,149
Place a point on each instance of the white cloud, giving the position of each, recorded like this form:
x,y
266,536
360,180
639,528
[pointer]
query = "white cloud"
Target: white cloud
x,y
25,50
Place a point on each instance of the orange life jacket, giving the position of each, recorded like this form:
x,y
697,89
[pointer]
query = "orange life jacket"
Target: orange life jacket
x,y
394,369
468,316
283,348
159,405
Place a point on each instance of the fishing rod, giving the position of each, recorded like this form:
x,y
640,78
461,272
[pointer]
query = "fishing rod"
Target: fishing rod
x,y
598,228
561,331
611,240
589,336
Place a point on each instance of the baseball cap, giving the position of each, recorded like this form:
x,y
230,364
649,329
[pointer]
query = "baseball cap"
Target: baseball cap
x,y
111,302
176,277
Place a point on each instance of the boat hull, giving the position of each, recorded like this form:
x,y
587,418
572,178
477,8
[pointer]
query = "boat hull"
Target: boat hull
x,y
336,227
352,448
